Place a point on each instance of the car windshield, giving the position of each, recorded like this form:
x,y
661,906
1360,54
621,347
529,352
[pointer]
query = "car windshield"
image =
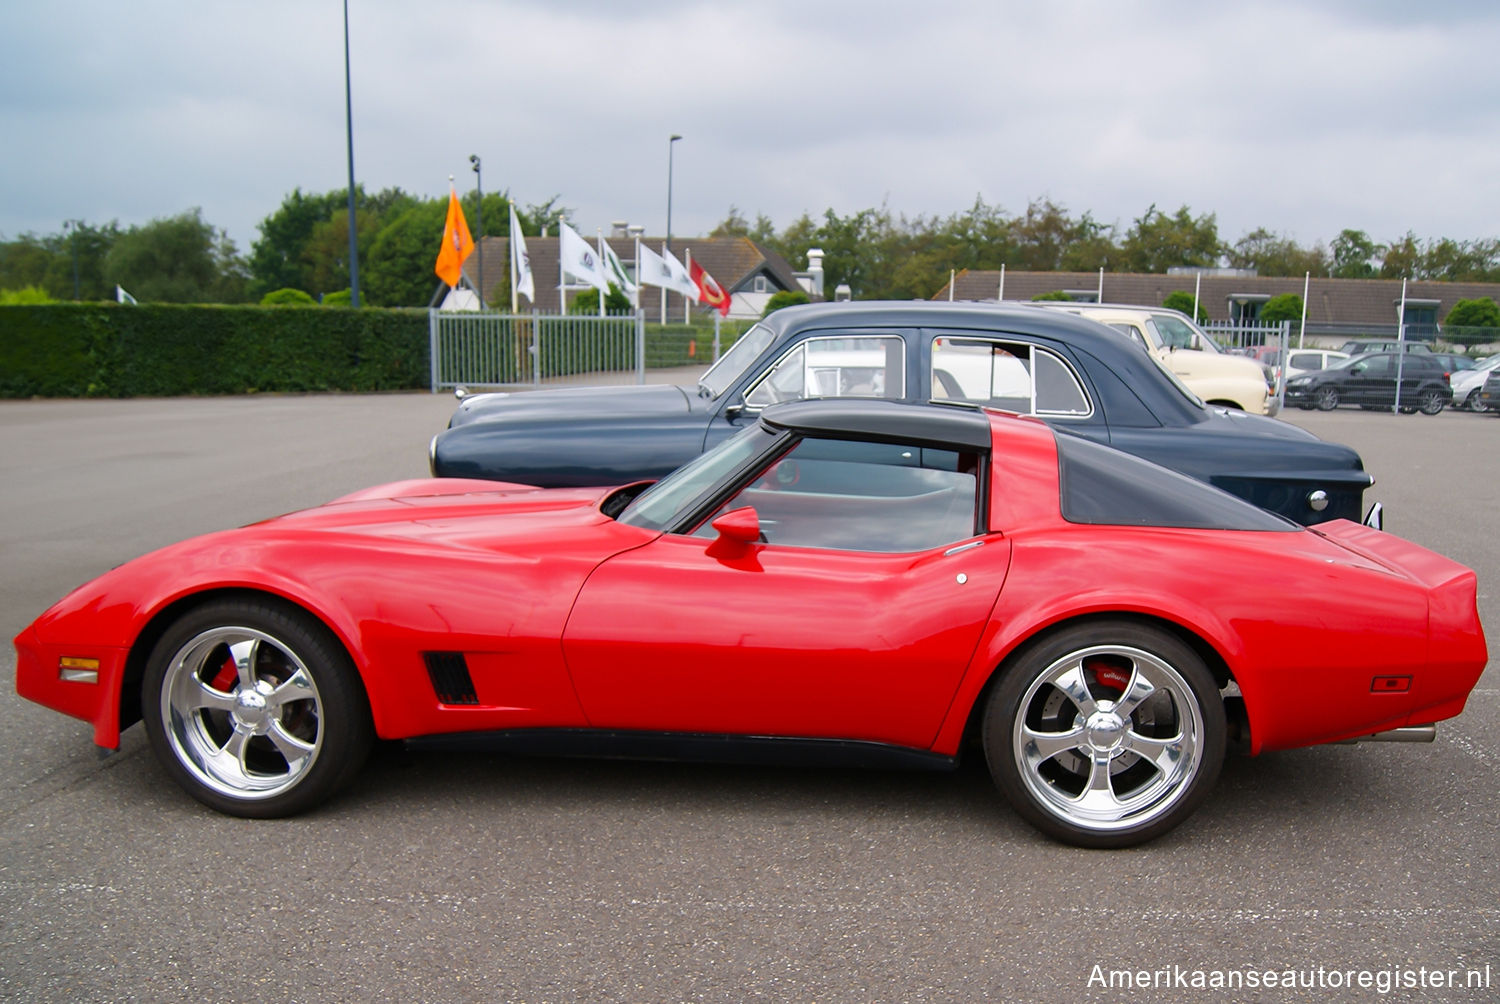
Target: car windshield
x,y
1177,333
722,374
661,504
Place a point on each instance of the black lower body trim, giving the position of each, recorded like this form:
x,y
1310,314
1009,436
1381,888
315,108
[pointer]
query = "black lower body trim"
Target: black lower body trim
x,y
689,746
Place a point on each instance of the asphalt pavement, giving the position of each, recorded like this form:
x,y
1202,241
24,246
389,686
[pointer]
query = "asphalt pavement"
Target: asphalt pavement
x,y
473,878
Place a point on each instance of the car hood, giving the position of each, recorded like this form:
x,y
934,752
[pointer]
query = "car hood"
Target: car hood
x,y
457,512
571,402
1201,365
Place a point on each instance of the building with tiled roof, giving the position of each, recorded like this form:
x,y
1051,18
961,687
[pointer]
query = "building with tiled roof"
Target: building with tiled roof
x,y
750,273
1334,306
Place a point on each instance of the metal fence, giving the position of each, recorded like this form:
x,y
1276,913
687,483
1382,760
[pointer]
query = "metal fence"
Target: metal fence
x,y
479,348
1230,335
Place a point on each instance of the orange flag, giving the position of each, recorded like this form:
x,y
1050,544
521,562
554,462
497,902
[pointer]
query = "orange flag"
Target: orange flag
x,y
457,244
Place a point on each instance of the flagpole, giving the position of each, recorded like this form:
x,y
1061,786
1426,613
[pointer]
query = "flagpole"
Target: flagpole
x,y
687,318
515,304
599,240
1001,297
638,282
664,292
1302,329
562,282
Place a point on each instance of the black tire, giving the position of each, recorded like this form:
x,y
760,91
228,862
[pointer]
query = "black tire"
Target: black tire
x,y
1327,398
1051,728
1430,402
254,708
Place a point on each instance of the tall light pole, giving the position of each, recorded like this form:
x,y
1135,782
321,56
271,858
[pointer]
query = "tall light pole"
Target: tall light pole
x,y
349,133
479,221
674,138
73,225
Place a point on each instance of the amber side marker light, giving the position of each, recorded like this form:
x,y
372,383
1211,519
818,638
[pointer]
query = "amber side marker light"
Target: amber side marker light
x,y
75,670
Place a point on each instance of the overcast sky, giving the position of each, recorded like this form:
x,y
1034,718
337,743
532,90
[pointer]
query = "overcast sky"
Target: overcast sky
x,y
1304,117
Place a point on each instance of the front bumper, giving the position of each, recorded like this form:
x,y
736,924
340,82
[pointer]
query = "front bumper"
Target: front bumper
x,y
43,675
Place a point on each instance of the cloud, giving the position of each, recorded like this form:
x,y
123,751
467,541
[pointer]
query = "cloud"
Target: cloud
x,y
1302,117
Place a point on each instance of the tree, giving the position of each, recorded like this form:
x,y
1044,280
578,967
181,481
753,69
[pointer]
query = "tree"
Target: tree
x,y
732,225
179,259
397,272
587,302
279,258
1052,294
784,298
1354,255
26,296
1182,300
1272,254
1157,242
49,262
1403,259
1286,307
1481,312
287,297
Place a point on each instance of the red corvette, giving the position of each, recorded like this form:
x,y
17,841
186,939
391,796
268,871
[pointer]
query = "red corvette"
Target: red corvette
x,y
846,580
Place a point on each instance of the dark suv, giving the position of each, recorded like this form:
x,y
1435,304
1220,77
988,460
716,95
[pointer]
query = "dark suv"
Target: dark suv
x,y
1369,381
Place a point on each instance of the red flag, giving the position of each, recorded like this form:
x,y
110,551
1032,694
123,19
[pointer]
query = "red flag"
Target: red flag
x,y
457,244
709,291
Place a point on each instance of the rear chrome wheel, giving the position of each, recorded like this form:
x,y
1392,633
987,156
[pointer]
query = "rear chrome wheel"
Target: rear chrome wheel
x,y
254,708
1431,402
1106,735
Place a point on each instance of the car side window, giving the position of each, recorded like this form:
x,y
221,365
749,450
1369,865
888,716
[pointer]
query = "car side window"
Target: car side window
x,y
1133,332
862,496
866,366
1014,376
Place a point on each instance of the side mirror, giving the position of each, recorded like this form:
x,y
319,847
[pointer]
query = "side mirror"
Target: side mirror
x,y
740,525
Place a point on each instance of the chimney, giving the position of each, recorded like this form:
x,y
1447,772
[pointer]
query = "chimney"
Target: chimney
x,y
815,271
618,228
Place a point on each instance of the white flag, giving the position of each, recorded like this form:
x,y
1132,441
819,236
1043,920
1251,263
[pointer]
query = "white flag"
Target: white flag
x,y
665,271
580,260
123,296
615,268
520,260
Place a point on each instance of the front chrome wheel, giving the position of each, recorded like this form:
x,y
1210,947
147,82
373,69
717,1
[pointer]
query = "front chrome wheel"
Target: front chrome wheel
x,y
1107,736
242,711
255,708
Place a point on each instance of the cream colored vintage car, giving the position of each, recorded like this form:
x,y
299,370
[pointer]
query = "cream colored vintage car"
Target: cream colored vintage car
x,y
1232,381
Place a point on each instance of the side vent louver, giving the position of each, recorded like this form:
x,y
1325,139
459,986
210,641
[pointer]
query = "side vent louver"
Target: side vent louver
x,y
450,677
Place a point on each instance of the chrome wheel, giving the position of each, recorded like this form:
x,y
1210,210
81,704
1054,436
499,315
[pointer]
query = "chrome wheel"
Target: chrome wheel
x,y
1431,403
1106,736
255,708
1328,399
243,712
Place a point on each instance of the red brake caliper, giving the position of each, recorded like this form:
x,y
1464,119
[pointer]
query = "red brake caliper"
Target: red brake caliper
x,y
1111,676
225,679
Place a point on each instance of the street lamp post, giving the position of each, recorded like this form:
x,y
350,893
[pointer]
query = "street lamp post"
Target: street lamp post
x,y
674,138
72,225
349,135
479,222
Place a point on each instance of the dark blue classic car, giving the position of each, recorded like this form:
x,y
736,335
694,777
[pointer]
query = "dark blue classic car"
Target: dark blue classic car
x,y
1079,376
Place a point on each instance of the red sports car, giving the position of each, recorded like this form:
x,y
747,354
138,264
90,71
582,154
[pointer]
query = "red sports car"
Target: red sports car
x,y
846,581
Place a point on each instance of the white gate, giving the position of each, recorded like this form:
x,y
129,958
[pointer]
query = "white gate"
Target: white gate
x,y
484,349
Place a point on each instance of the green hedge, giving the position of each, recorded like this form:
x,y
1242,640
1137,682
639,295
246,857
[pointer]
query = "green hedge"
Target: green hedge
x,y
165,350
113,350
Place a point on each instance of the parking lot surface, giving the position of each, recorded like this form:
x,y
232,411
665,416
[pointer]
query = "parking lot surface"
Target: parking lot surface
x,y
465,878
